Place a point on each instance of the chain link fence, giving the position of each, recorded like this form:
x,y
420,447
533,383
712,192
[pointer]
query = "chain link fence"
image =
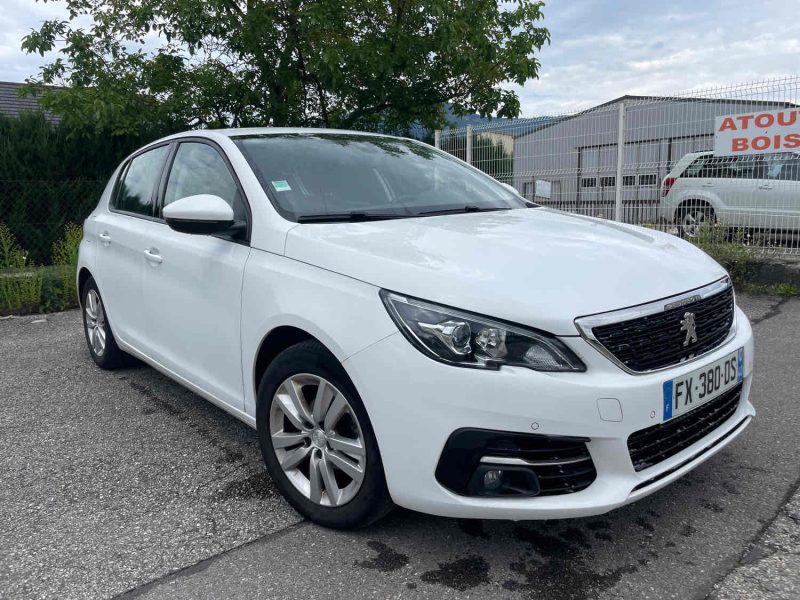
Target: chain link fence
x,y
652,161
40,230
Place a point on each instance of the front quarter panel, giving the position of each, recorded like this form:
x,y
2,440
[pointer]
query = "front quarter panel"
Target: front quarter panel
x,y
345,314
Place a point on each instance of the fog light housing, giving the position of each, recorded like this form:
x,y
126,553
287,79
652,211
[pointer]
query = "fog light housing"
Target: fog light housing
x,y
492,480
503,480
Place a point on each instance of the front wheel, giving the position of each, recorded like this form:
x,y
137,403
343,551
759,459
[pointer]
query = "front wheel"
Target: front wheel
x,y
317,440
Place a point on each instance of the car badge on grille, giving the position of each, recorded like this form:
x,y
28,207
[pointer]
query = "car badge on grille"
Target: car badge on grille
x,y
687,325
683,302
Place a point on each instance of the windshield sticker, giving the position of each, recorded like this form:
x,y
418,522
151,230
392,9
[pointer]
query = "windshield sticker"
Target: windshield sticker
x,y
281,186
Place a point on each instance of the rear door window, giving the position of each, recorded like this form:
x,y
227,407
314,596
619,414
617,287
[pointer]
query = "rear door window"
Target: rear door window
x,y
782,167
136,192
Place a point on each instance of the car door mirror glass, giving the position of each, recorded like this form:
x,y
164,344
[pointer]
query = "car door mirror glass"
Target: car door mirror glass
x,y
200,214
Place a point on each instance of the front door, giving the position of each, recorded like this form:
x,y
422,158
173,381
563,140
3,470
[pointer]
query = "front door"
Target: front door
x,y
193,291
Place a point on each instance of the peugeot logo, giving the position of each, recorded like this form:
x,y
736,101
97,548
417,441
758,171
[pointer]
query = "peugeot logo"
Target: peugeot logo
x,y
687,325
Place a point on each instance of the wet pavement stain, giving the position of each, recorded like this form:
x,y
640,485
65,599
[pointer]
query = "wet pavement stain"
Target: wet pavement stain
x,y
559,570
712,506
461,575
256,486
645,524
160,404
387,559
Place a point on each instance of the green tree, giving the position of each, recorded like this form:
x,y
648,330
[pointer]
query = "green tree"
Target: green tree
x,y
368,64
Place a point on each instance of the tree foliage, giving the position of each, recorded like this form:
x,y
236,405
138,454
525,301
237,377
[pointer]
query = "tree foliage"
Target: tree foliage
x,y
368,64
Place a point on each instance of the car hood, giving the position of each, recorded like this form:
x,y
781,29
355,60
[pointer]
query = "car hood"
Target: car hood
x,y
537,267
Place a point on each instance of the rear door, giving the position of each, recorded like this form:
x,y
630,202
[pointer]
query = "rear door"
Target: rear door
x,y
123,231
781,191
193,293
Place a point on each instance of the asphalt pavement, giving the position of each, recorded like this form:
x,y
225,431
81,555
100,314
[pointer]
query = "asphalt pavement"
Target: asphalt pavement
x,y
125,484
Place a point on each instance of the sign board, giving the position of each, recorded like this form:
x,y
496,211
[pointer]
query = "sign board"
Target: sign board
x,y
757,133
543,189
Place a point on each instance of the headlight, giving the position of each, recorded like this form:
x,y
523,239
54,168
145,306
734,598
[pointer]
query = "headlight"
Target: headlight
x,y
469,340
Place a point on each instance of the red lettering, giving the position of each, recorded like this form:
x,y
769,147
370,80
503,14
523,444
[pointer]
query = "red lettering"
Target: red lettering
x,y
760,143
744,120
792,140
727,123
785,120
765,120
739,144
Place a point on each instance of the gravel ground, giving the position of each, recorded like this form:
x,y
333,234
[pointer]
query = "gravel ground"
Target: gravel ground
x,y
126,484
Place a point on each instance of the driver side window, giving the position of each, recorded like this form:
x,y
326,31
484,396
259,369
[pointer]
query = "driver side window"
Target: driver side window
x,y
199,169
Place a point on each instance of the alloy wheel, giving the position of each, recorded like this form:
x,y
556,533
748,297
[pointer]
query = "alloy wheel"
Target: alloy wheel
x,y
693,221
317,440
95,322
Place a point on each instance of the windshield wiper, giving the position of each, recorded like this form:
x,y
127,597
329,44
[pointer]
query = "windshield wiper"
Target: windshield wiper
x,y
349,217
469,208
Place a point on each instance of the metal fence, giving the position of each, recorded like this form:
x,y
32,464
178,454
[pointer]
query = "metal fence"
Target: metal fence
x,y
651,161
37,212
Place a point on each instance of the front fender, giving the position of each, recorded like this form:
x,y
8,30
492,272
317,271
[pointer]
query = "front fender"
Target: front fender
x,y
344,314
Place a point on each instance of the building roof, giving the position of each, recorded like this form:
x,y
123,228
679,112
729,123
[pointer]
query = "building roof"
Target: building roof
x,y
12,104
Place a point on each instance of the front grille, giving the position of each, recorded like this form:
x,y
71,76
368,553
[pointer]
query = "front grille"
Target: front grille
x,y
650,446
656,341
562,465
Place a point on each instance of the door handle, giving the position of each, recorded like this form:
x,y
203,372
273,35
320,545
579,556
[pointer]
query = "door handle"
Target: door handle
x,y
765,186
707,184
105,239
153,256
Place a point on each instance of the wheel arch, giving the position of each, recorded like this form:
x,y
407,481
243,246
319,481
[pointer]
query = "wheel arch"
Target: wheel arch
x,y
276,341
83,276
696,201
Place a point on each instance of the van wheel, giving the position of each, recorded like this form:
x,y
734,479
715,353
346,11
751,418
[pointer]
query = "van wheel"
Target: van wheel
x,y
317,441
99,337
693,217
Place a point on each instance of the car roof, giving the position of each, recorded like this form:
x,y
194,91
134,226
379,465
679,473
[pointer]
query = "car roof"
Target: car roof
x,y
255,131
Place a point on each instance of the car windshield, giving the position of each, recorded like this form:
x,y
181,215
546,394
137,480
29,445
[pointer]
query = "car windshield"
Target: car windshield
x,y
325,177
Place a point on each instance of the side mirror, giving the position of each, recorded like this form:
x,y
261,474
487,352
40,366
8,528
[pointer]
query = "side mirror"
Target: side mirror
x,y
200,214
510,188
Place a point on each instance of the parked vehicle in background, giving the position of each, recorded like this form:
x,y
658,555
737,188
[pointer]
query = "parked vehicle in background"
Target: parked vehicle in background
x,y
401,328
755,192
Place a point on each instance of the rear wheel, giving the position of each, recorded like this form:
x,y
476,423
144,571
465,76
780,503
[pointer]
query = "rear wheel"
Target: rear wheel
x,y
99,337
693,217
317,441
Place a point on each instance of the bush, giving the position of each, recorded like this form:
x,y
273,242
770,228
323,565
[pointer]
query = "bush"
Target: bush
x,y
26,288
65,259
20,281
727,248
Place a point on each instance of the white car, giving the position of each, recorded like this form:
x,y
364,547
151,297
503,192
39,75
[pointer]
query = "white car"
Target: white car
x,y
755,191
402,329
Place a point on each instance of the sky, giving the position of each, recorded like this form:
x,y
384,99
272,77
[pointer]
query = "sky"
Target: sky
x,y
600,49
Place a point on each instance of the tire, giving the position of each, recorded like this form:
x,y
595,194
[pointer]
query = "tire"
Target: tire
x,y
301,445
692,217
97,330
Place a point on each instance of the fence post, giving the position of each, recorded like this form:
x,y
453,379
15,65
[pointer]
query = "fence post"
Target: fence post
x,y
620,158
437,139
469,145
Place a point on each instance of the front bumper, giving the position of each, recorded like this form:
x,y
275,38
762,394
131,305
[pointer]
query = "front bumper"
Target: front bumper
x,y
415,403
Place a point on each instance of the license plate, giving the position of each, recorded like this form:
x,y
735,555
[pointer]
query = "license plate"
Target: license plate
x,y
685,393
